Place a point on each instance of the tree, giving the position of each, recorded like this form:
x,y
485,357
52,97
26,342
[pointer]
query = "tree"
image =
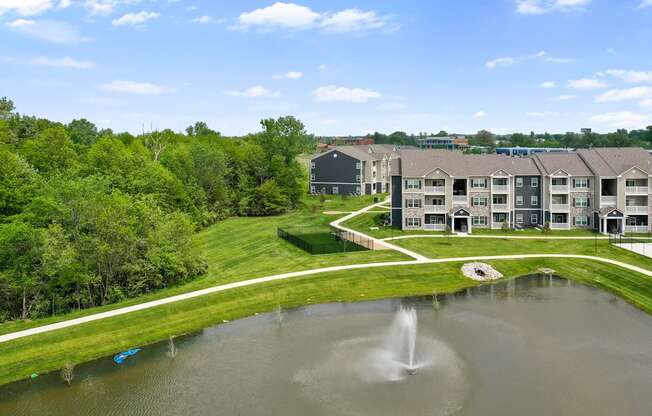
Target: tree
x,y
200,129
268,199
17,182
484,138
68,372
6,108
52,151
82,132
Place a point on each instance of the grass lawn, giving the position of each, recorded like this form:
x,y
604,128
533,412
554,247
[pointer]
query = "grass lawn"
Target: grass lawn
x,y
535,232
49,351
248,247
466,247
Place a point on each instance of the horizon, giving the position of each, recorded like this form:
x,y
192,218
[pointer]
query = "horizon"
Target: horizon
x,y
342,68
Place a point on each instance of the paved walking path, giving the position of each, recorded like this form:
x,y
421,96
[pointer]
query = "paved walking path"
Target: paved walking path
x,y
644,249
418,260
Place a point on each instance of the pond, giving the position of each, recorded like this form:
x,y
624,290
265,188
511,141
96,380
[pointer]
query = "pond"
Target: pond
x,y
535,346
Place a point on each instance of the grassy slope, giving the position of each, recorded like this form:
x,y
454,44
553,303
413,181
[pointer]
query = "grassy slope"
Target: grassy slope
x,y
20,358
463,247
244,248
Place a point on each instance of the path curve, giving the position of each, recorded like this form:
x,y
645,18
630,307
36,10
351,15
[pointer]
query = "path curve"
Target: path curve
x,y
221,288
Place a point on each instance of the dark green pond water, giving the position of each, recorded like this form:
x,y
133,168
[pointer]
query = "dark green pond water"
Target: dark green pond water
x,y
533,346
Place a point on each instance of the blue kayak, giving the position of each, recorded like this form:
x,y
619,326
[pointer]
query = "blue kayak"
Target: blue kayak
x,y
120,358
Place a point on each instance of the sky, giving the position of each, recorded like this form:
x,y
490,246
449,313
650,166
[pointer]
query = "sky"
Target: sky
x,y
343,67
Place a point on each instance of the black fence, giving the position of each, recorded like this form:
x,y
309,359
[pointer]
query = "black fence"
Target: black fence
x,y
630,239
324,240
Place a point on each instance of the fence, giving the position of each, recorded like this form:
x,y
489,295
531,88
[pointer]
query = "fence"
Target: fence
x,y
630,239
324,240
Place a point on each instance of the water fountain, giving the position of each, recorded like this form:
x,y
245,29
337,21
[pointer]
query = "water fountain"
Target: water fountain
x,y
400,341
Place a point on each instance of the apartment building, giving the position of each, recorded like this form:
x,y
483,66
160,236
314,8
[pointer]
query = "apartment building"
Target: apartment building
x,y
435,188
622,188
603,189
352,170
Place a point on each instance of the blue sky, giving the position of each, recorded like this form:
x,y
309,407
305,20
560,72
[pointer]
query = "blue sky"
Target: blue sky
x,y
342,67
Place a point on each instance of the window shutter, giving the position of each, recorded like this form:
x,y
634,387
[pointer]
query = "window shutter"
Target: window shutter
x,y
573,220
588,201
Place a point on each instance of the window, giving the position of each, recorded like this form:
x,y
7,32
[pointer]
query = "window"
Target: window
x,y
312,165
313,189
580,183
534,182
581,220
358,165
499,200
373,186
581,202
519,200
413,184
630,183
479,201
374,174
479,183
412,203
357,190
534,219
413,222
534,200
519,182
357,178
481,220
312,176
438,201
558,181
336,190
519,218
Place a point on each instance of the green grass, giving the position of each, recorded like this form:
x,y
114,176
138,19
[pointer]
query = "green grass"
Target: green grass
x,y
535,232
247,247
365,222
467,247
49,351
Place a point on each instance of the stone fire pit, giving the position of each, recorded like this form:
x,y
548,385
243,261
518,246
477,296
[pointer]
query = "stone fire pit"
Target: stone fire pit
x,y
480,271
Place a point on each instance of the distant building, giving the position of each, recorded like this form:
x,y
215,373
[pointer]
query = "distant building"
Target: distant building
x,y
352,170
353,141
445,142
527,151
586,130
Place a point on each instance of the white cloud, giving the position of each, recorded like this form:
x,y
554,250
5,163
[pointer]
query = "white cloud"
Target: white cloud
x,y
135,18
538,7
498,62
257,91
48,30
138,88
548,84
480,114
287,15
631,76
353,20
25,7
565,97
542,114
647,103
289,75
344,94
645,3
586,84
298,17
323,67
65,62
627,94
100,7
506,61
203,20
622,119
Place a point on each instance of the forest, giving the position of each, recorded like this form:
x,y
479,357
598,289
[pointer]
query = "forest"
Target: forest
x,y
90,217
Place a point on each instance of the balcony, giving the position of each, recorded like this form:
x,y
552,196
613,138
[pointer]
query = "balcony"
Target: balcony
x,y
559,207
559,225
607,201
636,190
499,188
636,229
434,208
559,189
460,200
434,227
636,209
500,207
435,189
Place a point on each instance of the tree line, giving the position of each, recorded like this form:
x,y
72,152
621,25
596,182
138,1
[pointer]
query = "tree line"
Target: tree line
x,y
90,217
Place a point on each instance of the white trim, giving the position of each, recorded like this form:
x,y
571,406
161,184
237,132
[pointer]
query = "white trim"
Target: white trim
x,y
633,167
